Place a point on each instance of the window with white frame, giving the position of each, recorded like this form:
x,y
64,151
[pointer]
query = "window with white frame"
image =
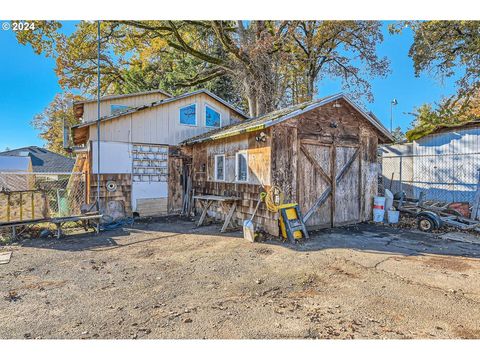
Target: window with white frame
x,y
188,115
241,166
219,167
212,117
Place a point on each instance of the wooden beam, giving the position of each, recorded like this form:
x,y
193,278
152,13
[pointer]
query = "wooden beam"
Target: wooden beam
x,y
228,219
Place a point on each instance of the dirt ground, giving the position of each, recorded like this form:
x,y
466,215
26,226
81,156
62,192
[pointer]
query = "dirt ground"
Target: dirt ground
x,y
168,279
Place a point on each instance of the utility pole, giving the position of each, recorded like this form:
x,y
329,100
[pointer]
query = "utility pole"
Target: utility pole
x,y
393,103
98,115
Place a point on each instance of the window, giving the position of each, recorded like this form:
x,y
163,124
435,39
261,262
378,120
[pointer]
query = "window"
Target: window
x,y
188,115
219,167
241,166
116,109
212,117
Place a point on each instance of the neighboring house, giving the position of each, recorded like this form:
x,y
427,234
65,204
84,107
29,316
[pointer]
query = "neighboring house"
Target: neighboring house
x,y
45,163
139,134
444,165
322,154
14,172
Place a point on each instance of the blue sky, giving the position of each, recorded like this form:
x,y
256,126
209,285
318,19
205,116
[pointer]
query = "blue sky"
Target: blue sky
x,y
29,83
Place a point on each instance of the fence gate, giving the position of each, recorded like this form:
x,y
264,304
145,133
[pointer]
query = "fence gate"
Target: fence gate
x,y
328,184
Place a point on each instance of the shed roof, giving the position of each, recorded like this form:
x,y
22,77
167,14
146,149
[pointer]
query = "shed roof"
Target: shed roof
x,y
111,97
162,102
14,163
43,160
278,116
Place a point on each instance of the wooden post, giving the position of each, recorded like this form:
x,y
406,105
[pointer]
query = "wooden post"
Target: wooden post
x,y
21,206
8,207
33,205
333,171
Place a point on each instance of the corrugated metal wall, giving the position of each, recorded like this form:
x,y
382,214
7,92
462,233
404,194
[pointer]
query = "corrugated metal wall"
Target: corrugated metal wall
x,y
444,165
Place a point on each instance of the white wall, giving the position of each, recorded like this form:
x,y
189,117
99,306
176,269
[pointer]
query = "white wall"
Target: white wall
x,y
148,190
115,157
160,124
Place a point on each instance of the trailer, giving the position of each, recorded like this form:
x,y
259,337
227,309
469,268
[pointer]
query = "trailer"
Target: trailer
x,y
433,215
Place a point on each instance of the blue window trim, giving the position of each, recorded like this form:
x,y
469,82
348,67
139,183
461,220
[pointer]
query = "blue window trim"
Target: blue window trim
x,y
180,117
219,114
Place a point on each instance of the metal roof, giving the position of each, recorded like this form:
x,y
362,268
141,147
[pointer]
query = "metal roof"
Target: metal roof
x,y
279,116
14,163
162,102
110,97
43,160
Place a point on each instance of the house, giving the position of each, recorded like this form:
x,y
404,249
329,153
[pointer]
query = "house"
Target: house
x,y
14,173
322,154
444,165
139,136
45,163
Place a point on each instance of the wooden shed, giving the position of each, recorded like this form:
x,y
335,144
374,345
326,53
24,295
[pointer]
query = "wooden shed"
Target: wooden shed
x,y
322,154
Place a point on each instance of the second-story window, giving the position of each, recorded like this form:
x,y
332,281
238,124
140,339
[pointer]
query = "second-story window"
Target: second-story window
x,y
212,117
188,115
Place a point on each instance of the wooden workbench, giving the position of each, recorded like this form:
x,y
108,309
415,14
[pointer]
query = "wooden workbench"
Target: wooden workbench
x,y
229,203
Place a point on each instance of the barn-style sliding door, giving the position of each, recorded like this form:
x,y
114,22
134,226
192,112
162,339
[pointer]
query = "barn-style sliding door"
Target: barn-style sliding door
x,y
328,184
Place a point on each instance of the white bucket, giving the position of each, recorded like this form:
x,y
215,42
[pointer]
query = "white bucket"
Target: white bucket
x,y
248,231
393,216
378,208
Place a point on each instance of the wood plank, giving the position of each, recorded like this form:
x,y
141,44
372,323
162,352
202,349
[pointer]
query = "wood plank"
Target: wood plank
x,y
315,164
328,191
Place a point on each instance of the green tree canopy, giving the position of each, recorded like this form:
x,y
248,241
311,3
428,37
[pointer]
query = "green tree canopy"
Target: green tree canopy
x,y
446,49
51,121
260,65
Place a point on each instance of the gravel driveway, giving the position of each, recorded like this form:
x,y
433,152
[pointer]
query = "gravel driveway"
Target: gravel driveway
x,y
168,279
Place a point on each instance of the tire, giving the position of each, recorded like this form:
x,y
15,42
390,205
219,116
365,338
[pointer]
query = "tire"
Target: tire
x,y
426,224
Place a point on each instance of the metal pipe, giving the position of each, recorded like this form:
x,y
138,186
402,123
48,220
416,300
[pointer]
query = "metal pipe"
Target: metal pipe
x,y
98,115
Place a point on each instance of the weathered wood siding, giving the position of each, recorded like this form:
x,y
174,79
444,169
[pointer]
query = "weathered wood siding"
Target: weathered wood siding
x,y
259,160
122,193
90,108
302,156
160,124
332,134
175,189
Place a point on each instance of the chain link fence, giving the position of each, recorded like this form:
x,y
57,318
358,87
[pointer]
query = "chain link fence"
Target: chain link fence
x,y
442,177
32,196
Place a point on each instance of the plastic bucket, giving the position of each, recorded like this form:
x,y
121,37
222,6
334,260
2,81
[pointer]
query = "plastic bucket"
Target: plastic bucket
x,y
378,215
393,216
248,231
378,208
